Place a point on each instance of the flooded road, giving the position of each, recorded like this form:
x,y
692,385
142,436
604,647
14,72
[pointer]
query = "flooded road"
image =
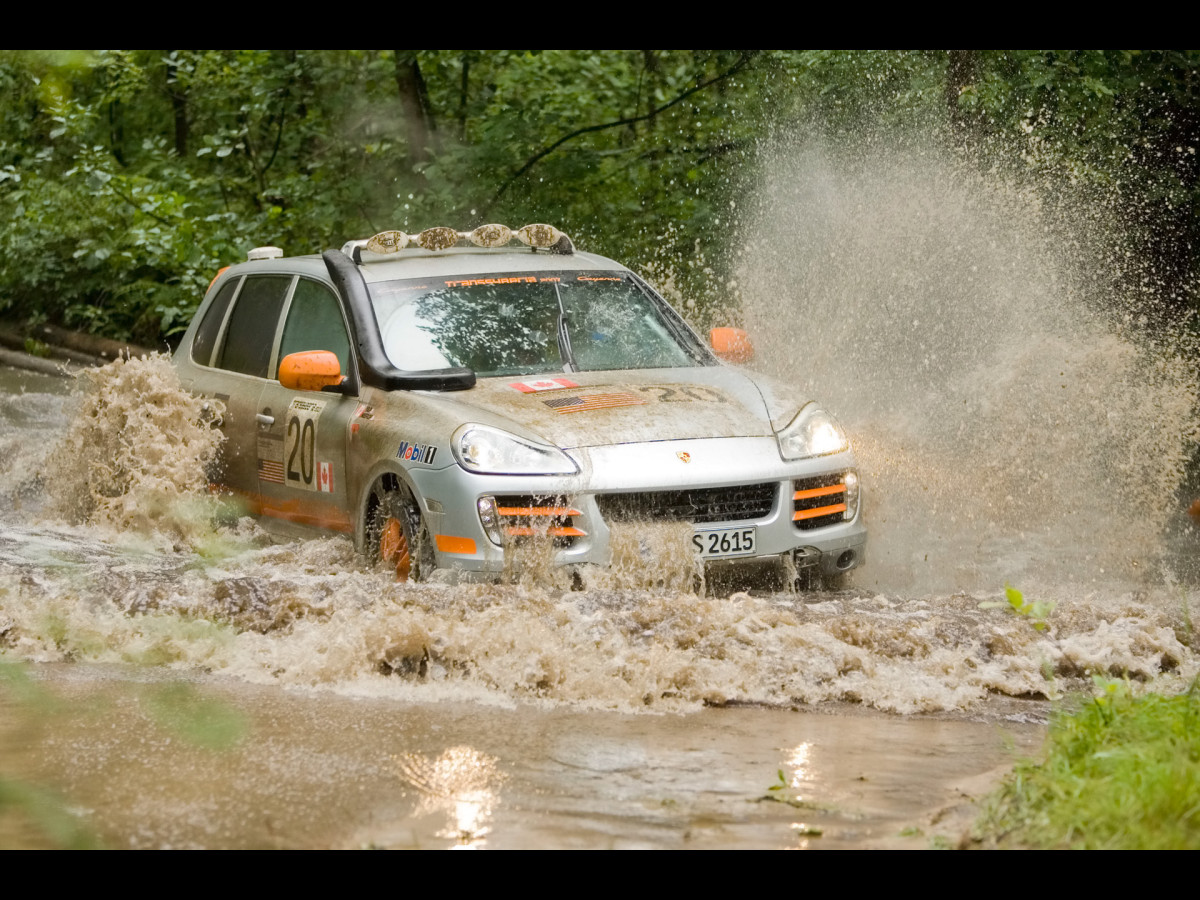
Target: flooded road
x,y
175,683
169,677
317,771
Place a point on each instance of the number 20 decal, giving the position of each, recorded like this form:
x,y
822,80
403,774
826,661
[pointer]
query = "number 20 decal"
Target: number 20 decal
x,y
300,443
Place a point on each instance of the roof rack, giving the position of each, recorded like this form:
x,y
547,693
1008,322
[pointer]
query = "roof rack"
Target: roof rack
x,y
441,237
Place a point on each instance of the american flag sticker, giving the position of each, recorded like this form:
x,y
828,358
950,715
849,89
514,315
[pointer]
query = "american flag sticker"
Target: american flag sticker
x,y
270,458
270,470
325,477
546,384
563,405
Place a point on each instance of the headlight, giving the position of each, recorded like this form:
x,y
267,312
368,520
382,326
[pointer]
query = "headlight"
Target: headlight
x,y
813,432
480,448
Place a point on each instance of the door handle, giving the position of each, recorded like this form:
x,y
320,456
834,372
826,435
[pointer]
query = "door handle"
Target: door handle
x,y
265,420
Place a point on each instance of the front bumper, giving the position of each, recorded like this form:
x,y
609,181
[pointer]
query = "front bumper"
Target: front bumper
x,y
450,496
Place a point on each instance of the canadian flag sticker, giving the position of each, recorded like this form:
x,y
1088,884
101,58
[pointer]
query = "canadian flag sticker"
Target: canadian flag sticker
x,y
546,384
325,477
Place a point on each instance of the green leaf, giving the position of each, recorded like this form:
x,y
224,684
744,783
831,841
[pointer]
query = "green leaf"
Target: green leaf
x,y
1015,598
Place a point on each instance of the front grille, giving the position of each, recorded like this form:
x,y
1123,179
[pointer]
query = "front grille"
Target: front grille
x,y
819,501
698,505
524,517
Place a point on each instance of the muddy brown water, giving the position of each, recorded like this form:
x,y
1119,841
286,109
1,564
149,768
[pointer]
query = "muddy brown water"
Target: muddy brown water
x,y
323,771
174,682
172,678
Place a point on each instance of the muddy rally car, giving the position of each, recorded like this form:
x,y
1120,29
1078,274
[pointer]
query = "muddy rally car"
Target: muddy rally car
x,y
450,396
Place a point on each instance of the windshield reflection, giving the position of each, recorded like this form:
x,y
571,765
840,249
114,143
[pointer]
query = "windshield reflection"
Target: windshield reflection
x,y
529,324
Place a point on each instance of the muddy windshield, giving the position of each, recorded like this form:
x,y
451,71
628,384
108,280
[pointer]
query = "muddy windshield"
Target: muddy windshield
x,y
517,324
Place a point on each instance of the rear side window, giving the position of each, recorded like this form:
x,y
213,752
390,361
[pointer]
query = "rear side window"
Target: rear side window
x,y
252,324
314,322
210,328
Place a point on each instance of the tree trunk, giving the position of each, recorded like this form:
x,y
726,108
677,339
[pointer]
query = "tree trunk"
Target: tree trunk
x,y
116,131
462,96
420,129
178,95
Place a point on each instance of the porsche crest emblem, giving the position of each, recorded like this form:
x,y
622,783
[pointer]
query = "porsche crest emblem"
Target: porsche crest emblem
x,y
684,456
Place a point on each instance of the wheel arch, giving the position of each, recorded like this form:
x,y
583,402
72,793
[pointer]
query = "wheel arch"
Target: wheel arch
x,y
395,478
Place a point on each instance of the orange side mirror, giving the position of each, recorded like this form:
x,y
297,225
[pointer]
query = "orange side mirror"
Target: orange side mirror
x,y
731,344
311,370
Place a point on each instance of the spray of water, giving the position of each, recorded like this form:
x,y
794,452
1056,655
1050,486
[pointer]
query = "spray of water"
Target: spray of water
x,y
135,453
1007,430
1007,424
314,614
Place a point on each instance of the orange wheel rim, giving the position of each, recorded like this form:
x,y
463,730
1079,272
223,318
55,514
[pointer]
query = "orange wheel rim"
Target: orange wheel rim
x,y
393,548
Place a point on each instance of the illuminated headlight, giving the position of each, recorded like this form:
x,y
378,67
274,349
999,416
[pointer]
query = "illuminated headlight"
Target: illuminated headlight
x,y
851,482
813,432
480,448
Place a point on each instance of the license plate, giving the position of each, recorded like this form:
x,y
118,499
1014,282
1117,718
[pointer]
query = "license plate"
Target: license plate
x,y
720,542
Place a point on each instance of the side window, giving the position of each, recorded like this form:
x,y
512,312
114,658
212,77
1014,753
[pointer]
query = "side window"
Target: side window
x,y
315,322
206,334
252,324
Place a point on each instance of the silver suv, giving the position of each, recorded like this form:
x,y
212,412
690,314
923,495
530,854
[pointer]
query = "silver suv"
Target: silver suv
x,y
450,396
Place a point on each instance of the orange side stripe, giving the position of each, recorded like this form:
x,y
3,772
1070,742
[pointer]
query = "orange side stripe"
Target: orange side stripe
x,y
300,511
450,544
819,511
526,531
819,492
538,511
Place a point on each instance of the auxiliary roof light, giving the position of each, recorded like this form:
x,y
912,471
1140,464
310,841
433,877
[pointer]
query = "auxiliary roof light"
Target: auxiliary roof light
x,y
442,237
388,242
264,253
539,235
490,236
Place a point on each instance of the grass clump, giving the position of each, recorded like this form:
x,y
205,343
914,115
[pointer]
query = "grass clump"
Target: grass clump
x,y
1120,772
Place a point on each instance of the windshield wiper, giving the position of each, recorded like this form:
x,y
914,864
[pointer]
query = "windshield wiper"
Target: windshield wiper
x,y
564,335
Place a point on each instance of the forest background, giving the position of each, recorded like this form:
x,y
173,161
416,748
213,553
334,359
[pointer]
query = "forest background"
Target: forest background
x,y
128,177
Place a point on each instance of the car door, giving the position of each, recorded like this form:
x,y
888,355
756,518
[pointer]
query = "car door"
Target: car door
x,y
304,435
233,345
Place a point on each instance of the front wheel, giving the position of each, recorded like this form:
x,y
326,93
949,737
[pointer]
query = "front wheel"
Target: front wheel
x,y
397,535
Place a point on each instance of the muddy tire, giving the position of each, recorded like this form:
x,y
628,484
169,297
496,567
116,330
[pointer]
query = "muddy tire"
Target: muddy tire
x,y
397,536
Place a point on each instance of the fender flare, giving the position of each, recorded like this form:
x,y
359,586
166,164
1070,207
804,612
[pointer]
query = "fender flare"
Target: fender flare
x,y
361,510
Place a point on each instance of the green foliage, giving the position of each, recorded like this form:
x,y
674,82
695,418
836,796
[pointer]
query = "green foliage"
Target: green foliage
x,y
1119,772
127,178
781,792
36,348
199,720
1036,611
28,708
47,813
42,809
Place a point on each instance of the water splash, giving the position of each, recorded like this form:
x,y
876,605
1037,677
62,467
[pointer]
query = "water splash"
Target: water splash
x,y
1007,429
134,456
1007,422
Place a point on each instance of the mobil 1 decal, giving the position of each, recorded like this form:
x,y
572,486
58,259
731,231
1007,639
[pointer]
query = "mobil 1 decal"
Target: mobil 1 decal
x,y
300,444
418,453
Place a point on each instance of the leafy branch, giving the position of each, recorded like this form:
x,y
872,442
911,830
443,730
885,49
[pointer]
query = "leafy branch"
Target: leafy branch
x,y
743,60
